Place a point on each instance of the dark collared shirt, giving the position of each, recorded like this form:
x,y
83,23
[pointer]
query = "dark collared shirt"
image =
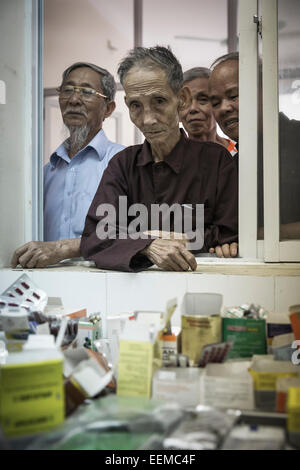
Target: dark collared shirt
x,y
193,173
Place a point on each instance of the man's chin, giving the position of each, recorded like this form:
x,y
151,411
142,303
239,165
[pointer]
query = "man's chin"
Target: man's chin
x,y
234,136
197,132
155,136
232,132
79,121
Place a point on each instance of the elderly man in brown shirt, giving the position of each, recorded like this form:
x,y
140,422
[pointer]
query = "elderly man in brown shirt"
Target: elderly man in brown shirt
x,y
166,169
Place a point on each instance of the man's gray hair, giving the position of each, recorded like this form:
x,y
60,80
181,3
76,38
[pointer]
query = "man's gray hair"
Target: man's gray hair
x,y
159,57
108,83
224,58
196,72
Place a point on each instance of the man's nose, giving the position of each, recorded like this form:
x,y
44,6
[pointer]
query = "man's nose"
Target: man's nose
x,y
194,107
226,106
149,117
75,97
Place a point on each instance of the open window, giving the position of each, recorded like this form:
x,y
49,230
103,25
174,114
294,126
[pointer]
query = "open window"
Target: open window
x,y
281,128
268,30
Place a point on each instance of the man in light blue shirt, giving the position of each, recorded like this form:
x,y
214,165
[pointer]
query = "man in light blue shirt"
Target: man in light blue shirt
x,y
70,185
71,178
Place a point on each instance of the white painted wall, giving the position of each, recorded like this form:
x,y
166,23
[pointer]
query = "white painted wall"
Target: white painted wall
x,y
93,31
101,32
79,30
196,30
113,292
15,126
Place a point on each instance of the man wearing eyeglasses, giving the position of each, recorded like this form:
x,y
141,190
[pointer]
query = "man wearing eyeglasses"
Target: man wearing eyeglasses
x,y
71,178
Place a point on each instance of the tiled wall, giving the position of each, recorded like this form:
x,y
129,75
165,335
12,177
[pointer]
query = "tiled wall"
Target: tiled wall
x,y
112,292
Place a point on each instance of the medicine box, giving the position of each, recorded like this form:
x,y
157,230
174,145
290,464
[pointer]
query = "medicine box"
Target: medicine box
x,y
201,323
265,373
293,423
31,392
248,336
178,385
227,385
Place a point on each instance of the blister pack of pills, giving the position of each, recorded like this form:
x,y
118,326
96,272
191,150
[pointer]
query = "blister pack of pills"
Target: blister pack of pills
x,y
24,290
215,352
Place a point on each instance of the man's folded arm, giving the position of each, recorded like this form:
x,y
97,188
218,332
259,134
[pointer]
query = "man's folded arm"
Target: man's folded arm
x,y
110,250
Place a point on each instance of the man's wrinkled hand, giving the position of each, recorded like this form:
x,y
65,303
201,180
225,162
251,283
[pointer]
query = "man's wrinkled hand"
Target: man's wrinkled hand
x,y
37,254
181,237
170,255
226,250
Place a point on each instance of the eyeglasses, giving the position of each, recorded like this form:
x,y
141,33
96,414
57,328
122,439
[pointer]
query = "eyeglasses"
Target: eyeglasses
x,y
86,93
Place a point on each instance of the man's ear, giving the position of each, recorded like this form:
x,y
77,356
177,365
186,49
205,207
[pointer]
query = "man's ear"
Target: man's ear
x,y
110,107
185,98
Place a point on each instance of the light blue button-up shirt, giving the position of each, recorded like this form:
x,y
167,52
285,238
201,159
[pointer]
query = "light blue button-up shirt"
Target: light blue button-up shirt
x,y
70,186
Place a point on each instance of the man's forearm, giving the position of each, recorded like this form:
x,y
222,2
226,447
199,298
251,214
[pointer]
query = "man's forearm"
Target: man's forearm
x,y
69,248
42,254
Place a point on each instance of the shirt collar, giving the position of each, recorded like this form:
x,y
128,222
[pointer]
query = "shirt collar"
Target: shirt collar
x,y
174,159
99,143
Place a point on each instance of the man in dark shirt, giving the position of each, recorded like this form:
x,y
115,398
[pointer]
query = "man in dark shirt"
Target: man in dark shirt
x,y
198,119
224,95
167,169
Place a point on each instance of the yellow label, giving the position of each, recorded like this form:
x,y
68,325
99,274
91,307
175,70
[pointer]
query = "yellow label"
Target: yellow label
x,y
267,380
293,406
293,421
294,397
31,397
135,369
14,346
197,332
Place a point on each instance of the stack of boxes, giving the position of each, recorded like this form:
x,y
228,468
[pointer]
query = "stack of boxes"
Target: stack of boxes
x,y
242,359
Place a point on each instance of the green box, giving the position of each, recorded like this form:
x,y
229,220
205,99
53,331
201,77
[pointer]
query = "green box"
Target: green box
x,y
248,336
88,333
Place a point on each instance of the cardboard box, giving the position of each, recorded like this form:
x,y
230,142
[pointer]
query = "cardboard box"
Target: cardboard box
x,y
140,354
282,347
293,421
265,373
88,333
201,323
277,324
282,387
248,336
31,392
227,385
139,357
177,384
295,320
87,374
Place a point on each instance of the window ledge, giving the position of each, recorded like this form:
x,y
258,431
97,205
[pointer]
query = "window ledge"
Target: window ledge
x,y
240,266
210,265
